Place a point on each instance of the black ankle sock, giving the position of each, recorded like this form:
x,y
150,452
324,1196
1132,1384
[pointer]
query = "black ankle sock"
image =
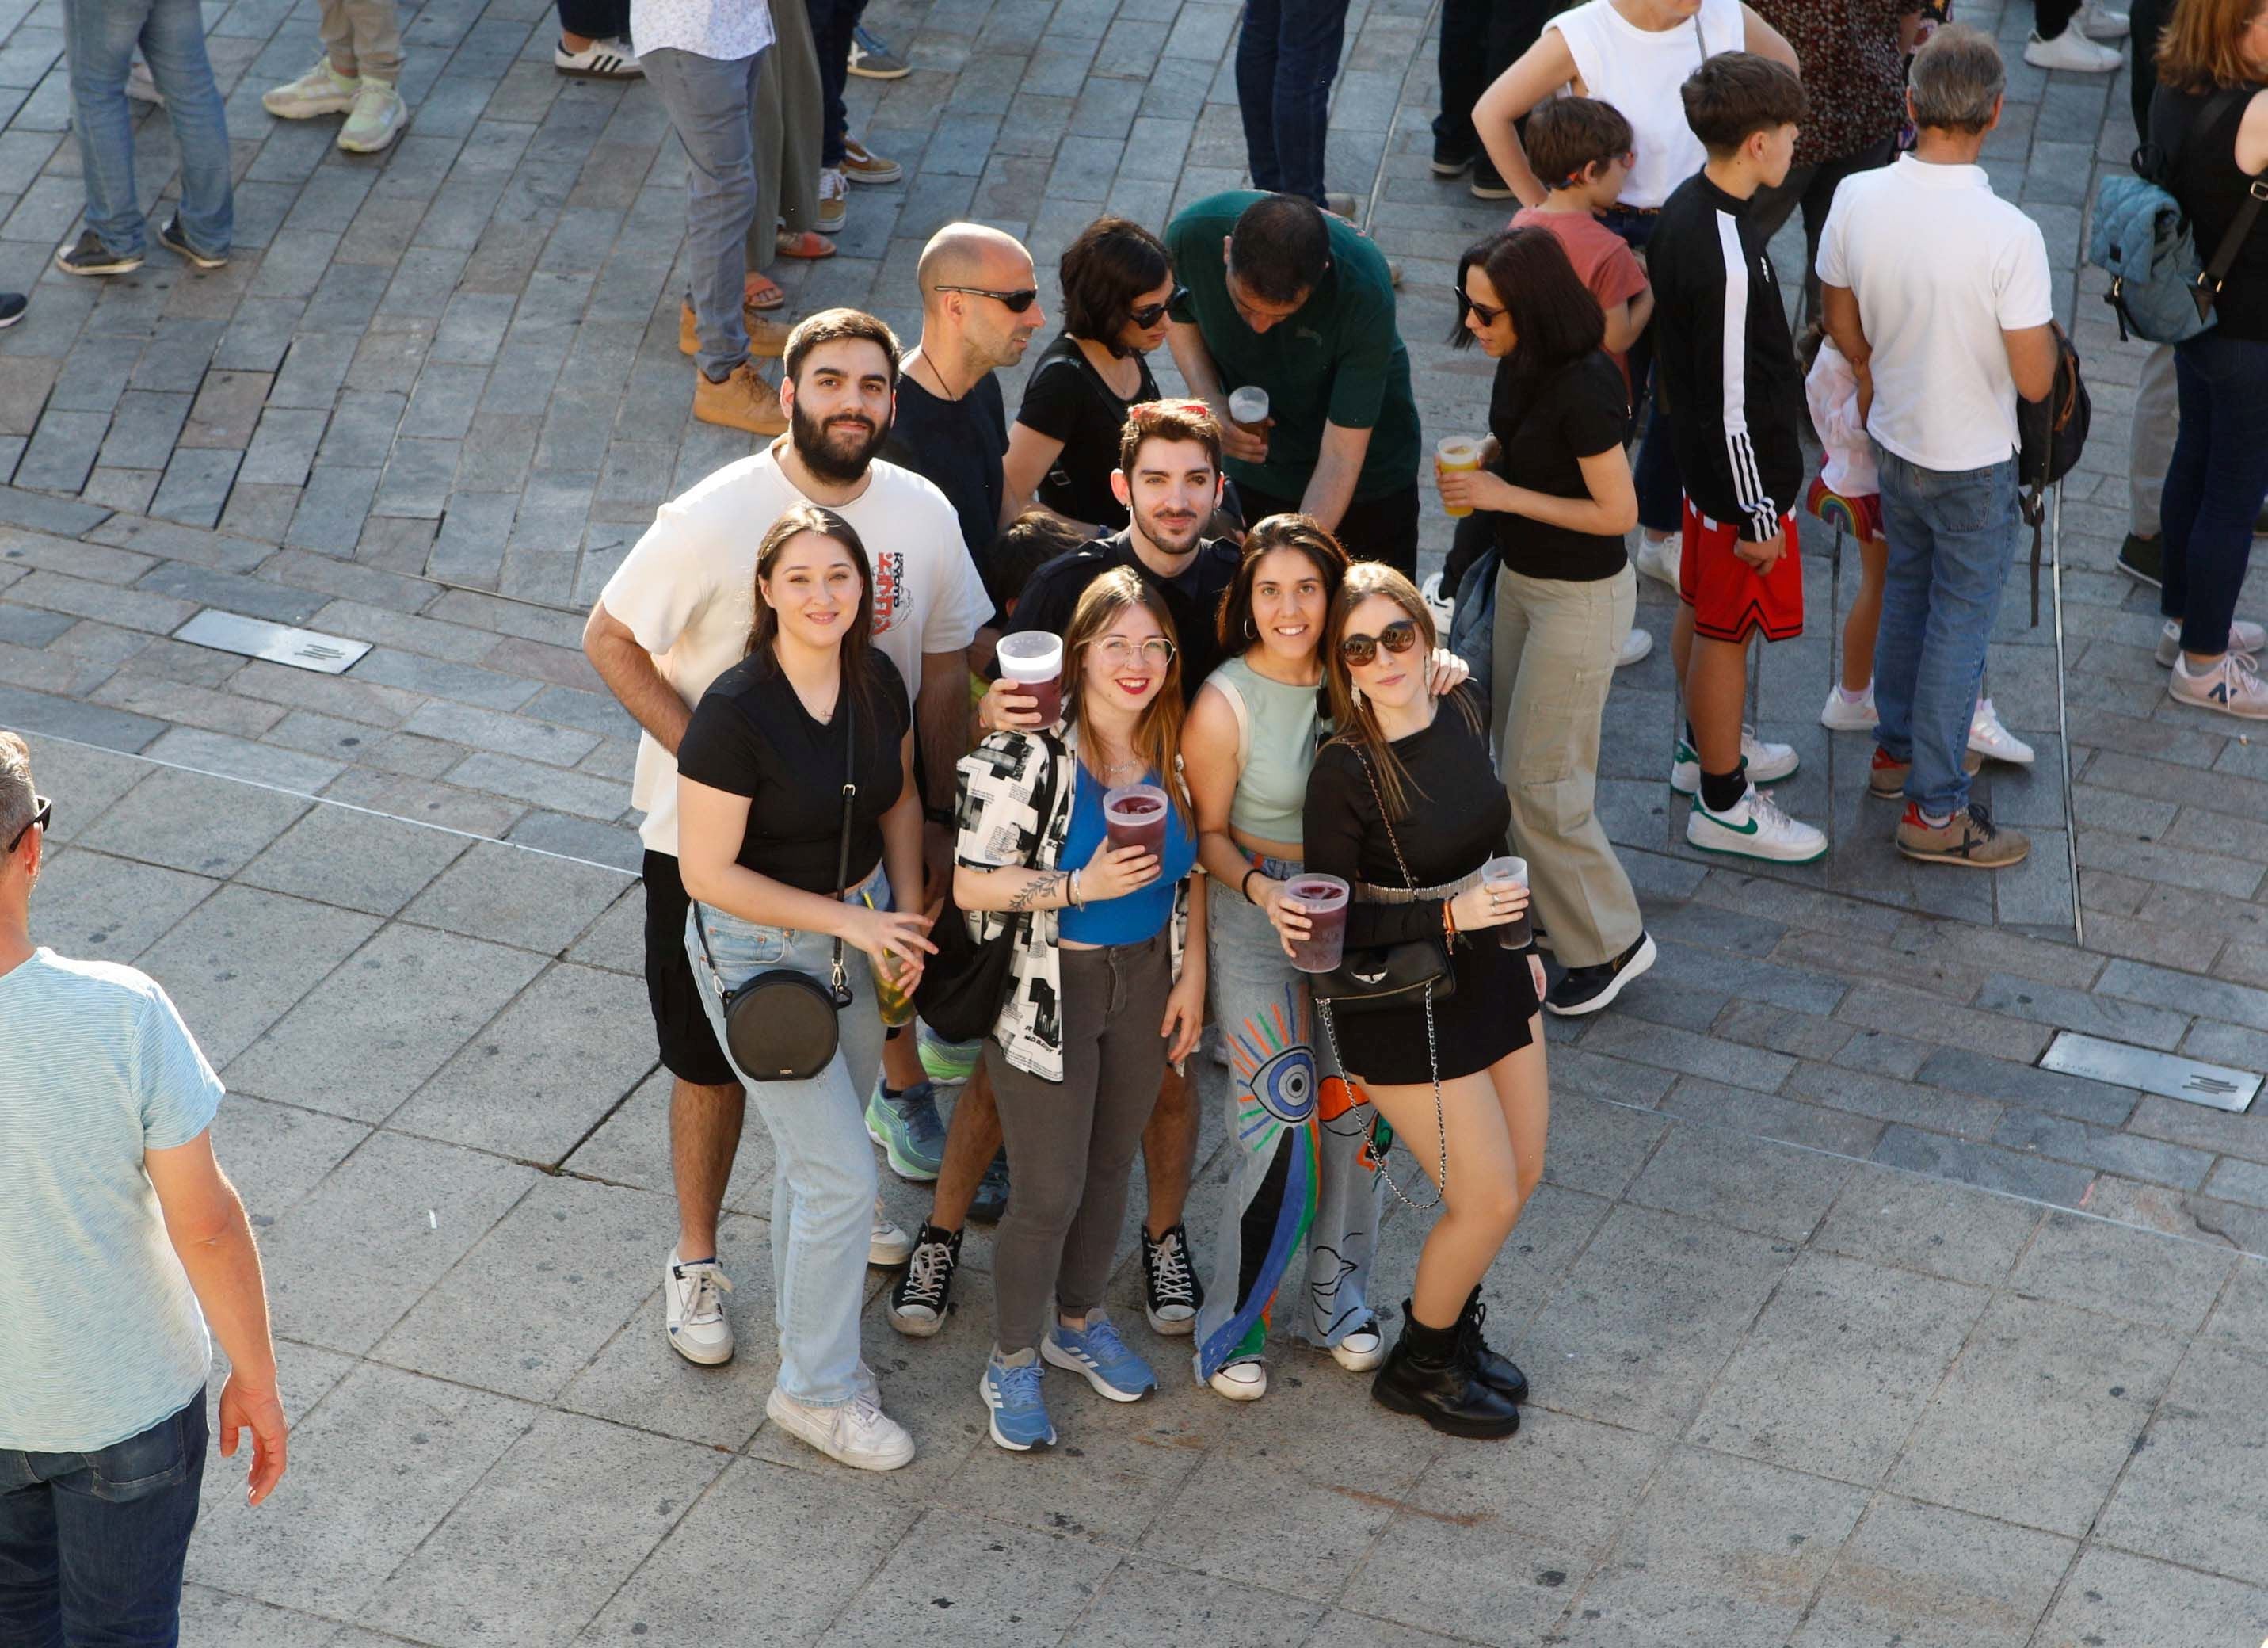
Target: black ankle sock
x,y
1721,792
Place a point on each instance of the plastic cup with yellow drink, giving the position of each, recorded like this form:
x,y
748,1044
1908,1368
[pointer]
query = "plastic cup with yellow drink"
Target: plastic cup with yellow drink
x,y
1457,455
897,1008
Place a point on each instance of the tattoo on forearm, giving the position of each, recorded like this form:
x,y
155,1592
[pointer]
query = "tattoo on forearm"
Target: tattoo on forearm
x,y
1034,890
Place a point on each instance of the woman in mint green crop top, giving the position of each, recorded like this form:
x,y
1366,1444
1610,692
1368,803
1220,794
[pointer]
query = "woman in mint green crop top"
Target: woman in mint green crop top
x,y
1245,751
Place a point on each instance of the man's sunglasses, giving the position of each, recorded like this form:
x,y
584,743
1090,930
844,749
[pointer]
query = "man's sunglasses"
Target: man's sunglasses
x,y
1150,313
39,821
1015,302
1397,638
1480,312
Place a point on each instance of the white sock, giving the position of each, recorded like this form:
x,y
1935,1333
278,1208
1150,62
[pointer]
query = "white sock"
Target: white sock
x,y
1935,821
1849,697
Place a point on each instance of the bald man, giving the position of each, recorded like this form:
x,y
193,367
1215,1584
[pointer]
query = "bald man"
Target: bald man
x,y
980,307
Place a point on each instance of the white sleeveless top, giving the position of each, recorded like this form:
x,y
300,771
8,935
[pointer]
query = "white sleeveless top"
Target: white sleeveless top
x,y
1639,71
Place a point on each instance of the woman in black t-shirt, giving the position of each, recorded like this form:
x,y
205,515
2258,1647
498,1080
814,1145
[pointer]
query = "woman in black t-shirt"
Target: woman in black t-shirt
x,y
761,776
1116,283
1557,489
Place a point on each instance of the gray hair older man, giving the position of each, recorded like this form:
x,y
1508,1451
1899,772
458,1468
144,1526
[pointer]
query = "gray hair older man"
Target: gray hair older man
x,y
120,1241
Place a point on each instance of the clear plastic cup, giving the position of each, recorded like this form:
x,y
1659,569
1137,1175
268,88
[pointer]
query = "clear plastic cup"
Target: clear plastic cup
x,y
1033,659
1247,407
1514,934
1455,453
1135,815
1322,899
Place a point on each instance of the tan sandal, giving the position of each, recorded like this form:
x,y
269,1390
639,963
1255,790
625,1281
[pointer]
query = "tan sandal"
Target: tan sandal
x,y
805,243
761,291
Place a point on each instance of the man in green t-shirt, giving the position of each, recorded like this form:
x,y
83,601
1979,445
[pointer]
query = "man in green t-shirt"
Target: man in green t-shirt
x,y
1280,296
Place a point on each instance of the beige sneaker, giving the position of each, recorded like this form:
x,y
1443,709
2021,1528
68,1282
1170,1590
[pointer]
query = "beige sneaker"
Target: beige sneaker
x,y
858,1434
322,90
768,339
376,120
2232,686
1886,780
1968,839
743,401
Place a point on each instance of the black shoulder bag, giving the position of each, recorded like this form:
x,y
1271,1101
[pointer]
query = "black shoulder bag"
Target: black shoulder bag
x,y
780,1025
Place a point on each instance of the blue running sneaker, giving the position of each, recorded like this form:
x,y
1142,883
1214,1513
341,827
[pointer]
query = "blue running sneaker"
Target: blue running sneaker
x,y
909,1129
948,1063
1011,1388
1097,1351
991,1199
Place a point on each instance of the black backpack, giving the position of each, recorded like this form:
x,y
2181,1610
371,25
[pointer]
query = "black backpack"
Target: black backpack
x,y
2052,433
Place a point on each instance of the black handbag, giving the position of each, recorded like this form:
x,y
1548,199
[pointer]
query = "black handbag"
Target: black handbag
x,y
781,1026
965,984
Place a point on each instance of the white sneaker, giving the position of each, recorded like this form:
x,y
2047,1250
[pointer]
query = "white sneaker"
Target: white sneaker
x,y
1768,763
833,200
1658,557
887,1245
2098,21
1360,1350
2230,686
1241,1381
1444,608
141,87
693,1311
2072,51
1636,645
1755,828
322,90
1841,715
376,119
2244,637
1992,740
858,1434
600,60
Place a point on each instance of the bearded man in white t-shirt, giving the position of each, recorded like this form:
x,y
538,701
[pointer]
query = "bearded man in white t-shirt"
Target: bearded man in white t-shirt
x,y
676,615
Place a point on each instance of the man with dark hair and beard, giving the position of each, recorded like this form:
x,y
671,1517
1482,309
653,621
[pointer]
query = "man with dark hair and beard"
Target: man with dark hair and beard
x,y
674,617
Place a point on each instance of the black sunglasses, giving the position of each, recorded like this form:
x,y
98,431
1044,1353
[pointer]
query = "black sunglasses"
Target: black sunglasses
x,y
1397,638
1016,302
1481,312
1151,314
39,821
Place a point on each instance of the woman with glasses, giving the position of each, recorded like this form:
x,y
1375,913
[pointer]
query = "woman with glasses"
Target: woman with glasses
x,y
1555,489
1116,285
1403,806
1107,984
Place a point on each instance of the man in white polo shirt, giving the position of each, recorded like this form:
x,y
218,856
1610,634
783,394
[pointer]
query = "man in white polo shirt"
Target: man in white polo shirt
x,y
676,615
1936,291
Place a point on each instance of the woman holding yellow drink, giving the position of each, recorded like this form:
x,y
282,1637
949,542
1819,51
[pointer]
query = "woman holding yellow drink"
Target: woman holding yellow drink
x,y
1553,483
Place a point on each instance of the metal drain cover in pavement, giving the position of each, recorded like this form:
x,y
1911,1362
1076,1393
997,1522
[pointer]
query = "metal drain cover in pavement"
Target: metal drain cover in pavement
x,y
277,643
2162,1072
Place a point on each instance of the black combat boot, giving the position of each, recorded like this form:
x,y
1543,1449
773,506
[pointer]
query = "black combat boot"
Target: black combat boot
x,y
1430,1373
1495,1371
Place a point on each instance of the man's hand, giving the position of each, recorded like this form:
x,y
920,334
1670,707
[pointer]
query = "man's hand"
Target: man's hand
x,y
260,1411
1762,555
1239,442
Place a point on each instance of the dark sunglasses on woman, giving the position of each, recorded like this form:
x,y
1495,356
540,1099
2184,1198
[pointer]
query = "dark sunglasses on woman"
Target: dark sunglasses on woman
x,y
1150,313
1397,638
1479,311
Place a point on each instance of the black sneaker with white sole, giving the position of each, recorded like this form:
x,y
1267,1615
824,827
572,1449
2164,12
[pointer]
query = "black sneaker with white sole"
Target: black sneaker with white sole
x,y
1587,989
1174,1295
88,256
920,1298
173,240
12,305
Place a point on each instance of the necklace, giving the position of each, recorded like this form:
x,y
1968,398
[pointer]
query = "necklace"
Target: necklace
x,y
938,373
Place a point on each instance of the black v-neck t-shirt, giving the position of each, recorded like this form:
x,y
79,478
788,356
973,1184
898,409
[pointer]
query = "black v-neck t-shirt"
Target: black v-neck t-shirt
x,y
751,736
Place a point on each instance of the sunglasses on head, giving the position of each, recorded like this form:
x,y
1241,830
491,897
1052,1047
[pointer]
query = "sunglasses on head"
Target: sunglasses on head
x,y
1150,313
1480,312
1397,638
1016,302
39,819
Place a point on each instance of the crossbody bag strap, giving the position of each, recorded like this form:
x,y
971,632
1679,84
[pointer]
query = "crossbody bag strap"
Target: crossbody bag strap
x,y
1392,840
843,848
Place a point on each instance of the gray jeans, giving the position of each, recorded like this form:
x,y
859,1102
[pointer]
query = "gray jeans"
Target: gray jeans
x,y
711,102
2157,419
1071,1143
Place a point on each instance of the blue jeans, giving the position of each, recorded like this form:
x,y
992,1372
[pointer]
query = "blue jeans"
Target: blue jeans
x,y
2215,484
1952,537
823,1179
90,1544
1287,54
100,36
711,103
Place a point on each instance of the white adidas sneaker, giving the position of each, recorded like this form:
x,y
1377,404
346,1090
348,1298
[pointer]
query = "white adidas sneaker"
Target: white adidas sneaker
x,y
1992,740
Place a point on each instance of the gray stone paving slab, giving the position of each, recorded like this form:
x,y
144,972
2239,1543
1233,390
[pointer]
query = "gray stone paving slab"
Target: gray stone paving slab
x,y
237,962
1925,1577
356,860
532,900
92,902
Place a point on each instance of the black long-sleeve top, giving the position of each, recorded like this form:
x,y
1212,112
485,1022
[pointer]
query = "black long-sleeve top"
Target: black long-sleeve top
x,y
1727,366
1458,818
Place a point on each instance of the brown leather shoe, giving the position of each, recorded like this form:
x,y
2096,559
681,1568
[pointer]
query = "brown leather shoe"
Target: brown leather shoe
x,y
768,339
743,400
1886,780
1968,839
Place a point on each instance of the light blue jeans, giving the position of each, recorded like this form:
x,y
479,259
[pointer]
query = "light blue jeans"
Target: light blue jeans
x,y
711,102
823,1178
99,36
1952,537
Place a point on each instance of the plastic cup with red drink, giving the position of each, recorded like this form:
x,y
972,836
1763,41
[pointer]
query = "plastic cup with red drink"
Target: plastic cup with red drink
x,y
1322,899
1033,660
1134,815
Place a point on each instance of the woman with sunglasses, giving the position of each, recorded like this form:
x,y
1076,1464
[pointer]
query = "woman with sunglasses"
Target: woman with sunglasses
x,y
1116,284
1555,490
1403,805
1103,991
760,843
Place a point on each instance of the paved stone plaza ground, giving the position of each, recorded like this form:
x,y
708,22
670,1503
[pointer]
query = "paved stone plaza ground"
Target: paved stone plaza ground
x,y
1848,1325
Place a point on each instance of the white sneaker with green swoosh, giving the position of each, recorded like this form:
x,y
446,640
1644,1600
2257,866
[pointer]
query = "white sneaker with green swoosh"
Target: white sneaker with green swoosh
x,y
1755,828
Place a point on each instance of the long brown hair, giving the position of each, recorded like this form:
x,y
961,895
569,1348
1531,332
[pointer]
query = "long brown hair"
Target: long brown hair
x,y
1157,730
1303,533
857,643
2200,49
1351,711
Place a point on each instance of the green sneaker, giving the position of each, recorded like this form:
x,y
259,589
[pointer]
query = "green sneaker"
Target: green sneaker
x,y
909,1129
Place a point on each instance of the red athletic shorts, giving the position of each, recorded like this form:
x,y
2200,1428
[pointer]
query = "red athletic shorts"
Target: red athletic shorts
x,y
1729,597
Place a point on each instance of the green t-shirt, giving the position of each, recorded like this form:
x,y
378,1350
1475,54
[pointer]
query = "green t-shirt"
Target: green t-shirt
x,y
1338,359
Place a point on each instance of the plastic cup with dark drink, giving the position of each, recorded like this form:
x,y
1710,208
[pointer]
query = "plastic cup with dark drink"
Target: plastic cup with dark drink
x,y
1033,659
1514,934
1134,815
1322,899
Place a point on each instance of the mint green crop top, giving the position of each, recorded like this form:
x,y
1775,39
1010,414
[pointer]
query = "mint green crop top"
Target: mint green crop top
x,y
1278,727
